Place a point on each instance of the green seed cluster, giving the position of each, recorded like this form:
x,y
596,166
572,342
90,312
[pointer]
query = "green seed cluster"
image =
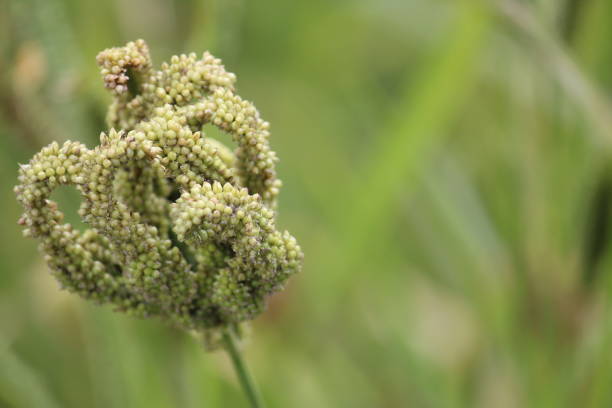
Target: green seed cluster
x,y
261,258
180,226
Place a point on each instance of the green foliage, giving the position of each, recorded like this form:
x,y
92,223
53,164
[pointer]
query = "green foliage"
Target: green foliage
x,y
446,169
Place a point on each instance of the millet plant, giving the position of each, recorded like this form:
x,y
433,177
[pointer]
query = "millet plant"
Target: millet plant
x,y
180,226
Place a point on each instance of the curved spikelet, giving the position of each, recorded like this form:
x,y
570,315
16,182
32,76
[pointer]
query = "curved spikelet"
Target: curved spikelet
x,y
180,226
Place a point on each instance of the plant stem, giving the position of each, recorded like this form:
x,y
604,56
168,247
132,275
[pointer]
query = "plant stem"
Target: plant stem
x,y
244,376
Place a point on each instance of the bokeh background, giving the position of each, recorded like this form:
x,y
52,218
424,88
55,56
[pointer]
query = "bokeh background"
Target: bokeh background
x,y
446,168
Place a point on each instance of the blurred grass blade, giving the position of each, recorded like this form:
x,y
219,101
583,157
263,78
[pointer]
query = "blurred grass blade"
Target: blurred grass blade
x,y
413,132
20,385
573,81
417,125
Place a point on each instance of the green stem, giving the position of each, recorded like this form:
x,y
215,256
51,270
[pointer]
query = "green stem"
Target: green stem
x,y
246,381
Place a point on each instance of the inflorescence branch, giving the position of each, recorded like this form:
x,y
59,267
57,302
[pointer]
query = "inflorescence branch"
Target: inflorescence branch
x,y
179,225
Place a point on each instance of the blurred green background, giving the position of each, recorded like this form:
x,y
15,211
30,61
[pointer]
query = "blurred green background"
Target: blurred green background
x,y
446,171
